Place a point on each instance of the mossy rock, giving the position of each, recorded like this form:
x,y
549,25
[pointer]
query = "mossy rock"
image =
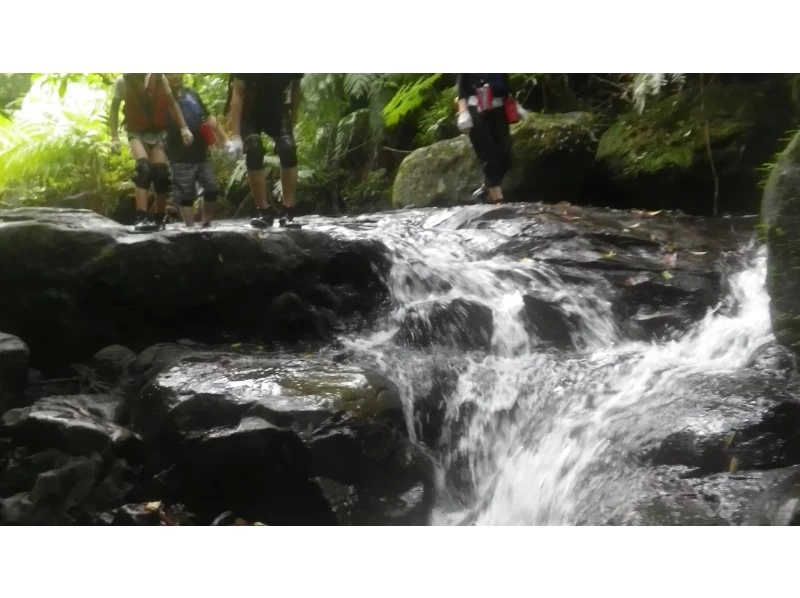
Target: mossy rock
x,y
781,230
552,155
661,155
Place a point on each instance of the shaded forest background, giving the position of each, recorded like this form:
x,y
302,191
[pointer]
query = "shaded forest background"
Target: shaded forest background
x,y
354,130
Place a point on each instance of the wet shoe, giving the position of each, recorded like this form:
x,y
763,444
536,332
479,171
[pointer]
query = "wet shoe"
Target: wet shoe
x,y
145,225
206,224
265,219
287,219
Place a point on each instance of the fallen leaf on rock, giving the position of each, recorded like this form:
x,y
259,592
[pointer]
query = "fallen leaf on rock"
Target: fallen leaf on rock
x,y
636,225
152,506
236,346
609,254
670,260
525,260
732,465
656,213
699,252
666,275
219,256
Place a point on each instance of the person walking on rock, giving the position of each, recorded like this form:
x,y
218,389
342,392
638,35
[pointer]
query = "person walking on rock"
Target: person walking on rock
x,y
485,111
148,101
190,164
266,103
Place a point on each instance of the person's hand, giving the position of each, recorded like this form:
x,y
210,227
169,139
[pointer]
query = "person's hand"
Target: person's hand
x,y
523,114
187,136
464,121
115,146
234,146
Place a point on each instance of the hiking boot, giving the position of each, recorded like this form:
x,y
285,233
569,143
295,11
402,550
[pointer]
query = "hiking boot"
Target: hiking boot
x,y
206,224
265,219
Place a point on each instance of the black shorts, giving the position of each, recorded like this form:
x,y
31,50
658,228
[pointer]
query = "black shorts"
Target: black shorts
x,y
275,120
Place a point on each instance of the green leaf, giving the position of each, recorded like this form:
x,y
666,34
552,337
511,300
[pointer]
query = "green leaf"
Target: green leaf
x,y
62,89
666,275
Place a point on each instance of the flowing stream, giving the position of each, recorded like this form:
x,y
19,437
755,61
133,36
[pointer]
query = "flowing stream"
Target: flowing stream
x,y
535,435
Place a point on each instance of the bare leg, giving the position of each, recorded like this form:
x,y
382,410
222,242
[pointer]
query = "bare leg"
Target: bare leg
x,y
258,187
496,194
188,215
209,211
289,186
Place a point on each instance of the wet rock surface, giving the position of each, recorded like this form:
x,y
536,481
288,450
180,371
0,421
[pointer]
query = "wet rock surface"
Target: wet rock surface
x,y
229,427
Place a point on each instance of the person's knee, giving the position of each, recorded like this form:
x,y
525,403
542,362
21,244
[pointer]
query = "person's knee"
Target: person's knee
x,y
286,148
160,176
143,175
254,153
186,200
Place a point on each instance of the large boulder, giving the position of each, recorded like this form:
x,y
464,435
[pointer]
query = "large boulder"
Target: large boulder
x,y
74,281
660,158
251,431
552,155
781,229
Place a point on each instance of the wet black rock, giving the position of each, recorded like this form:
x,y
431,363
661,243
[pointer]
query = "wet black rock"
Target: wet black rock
x,y
759,428
545,322
78,425
14,358
778,505
461,324
75,281
114,362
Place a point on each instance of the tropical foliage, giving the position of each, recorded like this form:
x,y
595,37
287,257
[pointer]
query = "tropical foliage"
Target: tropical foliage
x,y
352,129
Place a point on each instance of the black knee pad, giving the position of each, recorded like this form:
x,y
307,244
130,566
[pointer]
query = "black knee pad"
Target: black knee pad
x,y
161,180
210,196
143,175
187,202
254,153
286,149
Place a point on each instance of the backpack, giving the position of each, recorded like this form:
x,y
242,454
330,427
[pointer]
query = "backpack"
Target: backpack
x,y
192,110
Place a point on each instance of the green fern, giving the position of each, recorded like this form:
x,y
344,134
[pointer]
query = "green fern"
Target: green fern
x,y
407,99
359,85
